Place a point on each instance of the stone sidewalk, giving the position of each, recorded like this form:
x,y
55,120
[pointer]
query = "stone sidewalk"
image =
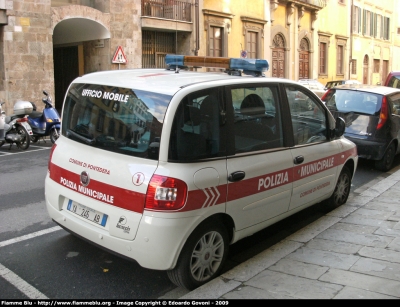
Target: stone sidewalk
x,y
353,252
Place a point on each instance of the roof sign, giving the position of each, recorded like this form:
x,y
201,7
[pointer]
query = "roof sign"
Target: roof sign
x,y
119,56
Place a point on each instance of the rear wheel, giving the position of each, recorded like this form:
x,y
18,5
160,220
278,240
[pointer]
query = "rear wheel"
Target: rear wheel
x,y
25,139
202,256
342,189
386,162
54,134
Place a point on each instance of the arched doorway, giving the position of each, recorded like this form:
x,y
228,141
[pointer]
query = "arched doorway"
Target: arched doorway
x,y
76,50
278,56
365,69
304,59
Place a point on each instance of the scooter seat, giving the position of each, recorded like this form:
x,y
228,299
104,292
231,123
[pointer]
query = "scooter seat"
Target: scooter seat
x,y
35,114
12,117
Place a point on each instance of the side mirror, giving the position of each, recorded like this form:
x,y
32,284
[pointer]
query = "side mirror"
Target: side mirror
x,y
340,126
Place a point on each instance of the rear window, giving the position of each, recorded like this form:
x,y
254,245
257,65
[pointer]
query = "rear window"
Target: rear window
x,y
394,82
121,120
353,101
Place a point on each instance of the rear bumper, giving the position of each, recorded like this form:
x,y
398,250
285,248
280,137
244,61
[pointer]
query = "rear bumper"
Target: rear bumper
x,y
372,149
157,243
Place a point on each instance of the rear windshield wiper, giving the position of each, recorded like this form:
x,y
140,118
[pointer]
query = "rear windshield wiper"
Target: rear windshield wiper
x,y
80,137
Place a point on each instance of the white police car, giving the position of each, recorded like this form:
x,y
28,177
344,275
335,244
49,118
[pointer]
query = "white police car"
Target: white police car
x,y
170,167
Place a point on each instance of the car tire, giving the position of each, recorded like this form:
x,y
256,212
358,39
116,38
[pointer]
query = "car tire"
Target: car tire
x,y
342,189
202,256
386,162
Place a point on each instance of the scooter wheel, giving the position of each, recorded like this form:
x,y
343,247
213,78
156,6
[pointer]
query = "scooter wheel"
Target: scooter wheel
x,y
54,134
24,144
34,139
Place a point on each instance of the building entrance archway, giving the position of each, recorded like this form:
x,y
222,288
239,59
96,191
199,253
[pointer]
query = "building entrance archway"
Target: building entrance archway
x,y
80,45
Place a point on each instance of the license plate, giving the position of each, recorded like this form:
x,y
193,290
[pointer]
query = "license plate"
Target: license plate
x,y
87,213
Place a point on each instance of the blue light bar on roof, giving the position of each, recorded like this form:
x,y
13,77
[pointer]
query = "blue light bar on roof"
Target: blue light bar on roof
x,y
230,64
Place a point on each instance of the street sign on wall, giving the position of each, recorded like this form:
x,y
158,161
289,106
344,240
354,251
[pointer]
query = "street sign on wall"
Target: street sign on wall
x,y
119,56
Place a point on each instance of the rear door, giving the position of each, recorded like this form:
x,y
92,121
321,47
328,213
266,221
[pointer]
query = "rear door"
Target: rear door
x,y
259,166
316,157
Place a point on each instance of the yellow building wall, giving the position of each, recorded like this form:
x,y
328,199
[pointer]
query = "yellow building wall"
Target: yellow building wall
x,y
238,8
335,26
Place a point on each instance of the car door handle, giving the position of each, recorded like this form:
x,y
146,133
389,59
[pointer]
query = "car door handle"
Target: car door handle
x,y
236,176
298,160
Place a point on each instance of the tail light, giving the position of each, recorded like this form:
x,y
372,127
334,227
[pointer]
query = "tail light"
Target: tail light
x,y
323,98
165,193
23,119
384,113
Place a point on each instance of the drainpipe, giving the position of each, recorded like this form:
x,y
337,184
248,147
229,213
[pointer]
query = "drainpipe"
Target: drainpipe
x,y
351,39
196,51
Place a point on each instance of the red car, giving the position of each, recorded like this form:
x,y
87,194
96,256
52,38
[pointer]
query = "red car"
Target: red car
x,y
393,79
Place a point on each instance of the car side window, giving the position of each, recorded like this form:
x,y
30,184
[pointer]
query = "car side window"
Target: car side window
x,y
257,120
196,130
308,117
396,104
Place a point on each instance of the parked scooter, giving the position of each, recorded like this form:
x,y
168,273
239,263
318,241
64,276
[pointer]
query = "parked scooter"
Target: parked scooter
x,y
16,127
46,123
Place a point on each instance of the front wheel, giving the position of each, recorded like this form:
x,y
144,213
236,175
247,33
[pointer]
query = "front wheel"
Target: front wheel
x,y
54,134
202,256
25,139
342,189
386,162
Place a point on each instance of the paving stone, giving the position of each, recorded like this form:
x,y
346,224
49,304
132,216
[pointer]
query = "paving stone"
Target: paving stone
x,y
355,228
324,258
297,268
297,287
388,232
213,289
380,253
342,211
360,220
378,268
373,214
359,200
360,294
389,199
334,246
360,281
251,293
397,226
265,259
395,245
351,237
395,217
312,230
379,188
382,205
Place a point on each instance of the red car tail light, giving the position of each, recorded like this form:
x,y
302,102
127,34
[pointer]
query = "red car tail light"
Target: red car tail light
x,y
384,113
165,193
325,95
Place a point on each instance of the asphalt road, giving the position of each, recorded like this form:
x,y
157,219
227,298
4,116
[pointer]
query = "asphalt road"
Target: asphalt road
x,y
37,259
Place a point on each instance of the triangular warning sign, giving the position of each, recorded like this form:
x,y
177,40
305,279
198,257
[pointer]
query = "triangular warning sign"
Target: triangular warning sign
x,y
119,56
